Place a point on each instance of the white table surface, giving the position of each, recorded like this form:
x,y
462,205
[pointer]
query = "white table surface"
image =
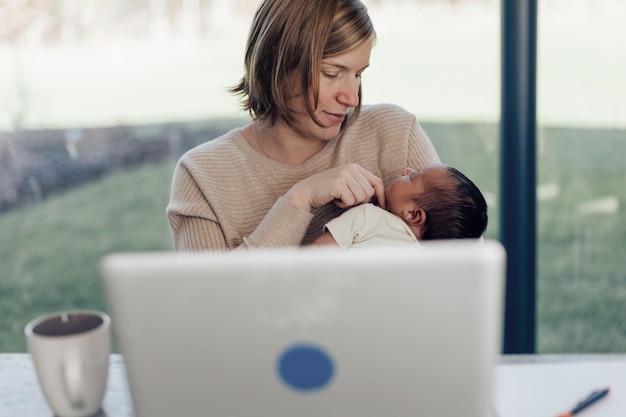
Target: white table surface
x,y
20,395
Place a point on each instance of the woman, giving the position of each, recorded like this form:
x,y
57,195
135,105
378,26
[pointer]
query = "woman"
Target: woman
x,y
310,150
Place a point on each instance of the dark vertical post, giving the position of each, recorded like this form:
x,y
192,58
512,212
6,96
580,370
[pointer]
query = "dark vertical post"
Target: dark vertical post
x,y
518,171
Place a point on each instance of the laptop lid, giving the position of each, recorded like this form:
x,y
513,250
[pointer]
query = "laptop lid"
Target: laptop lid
x,y
310,332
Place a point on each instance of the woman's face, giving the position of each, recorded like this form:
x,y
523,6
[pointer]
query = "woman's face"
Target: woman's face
x,y
340,80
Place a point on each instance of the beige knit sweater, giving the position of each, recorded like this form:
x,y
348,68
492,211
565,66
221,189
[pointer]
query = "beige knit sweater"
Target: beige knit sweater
x,y
225,195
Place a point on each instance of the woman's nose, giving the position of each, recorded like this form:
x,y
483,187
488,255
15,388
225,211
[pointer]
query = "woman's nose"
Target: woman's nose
x,y
349,94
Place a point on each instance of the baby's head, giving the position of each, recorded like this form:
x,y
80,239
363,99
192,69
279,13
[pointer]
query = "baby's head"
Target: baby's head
x,y
438,202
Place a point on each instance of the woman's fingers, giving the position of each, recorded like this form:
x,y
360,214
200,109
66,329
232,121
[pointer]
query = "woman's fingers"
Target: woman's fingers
x,y
354,189
365,187
347,186
378,187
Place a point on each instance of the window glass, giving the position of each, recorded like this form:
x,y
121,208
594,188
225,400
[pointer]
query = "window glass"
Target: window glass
x,y
441,60
581,285
98,100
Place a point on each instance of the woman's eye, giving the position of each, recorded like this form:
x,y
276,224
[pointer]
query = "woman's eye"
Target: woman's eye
x,y
330,74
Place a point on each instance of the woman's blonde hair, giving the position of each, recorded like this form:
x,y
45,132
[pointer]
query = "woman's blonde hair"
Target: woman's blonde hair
x,y
287,42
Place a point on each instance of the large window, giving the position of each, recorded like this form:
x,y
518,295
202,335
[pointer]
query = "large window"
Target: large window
x,y
581,176
98,100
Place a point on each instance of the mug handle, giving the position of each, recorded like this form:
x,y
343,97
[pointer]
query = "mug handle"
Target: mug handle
x,y
72,378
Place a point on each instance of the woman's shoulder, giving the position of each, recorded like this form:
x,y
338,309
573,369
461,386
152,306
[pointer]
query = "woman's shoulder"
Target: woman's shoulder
x,y
214,149
377,112
384,118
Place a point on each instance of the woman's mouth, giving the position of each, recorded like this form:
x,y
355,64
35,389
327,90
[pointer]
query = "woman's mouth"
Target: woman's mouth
x,y
335,118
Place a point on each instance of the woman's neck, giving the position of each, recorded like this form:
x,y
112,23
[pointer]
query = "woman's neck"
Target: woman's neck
x,y
283,144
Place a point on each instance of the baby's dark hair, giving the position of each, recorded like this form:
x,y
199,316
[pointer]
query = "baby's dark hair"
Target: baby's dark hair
x,y
453,212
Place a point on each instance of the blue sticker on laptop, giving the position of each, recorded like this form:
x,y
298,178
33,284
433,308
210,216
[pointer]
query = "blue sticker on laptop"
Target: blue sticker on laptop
x,y
305,367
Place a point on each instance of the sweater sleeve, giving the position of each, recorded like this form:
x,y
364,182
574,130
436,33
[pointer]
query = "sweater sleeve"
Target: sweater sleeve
x,y
284,225
192,221
195,224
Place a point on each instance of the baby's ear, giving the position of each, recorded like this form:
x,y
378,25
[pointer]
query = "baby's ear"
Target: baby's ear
x,y
415,217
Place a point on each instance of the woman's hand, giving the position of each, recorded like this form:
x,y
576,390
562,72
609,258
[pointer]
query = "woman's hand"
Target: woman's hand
x,y
347,186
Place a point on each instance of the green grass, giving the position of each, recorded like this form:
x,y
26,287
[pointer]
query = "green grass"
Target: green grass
x,y
49,252
582,286
442,63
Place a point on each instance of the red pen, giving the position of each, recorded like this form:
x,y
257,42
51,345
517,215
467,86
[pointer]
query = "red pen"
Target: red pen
x,y
591,399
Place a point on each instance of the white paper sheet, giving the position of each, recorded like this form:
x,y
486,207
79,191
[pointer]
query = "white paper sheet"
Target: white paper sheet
x,y
547,390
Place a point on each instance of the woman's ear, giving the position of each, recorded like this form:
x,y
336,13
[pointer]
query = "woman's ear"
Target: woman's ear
x,y
415,217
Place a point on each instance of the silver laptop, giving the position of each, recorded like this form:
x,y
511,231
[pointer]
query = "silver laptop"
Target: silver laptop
x,y
308,332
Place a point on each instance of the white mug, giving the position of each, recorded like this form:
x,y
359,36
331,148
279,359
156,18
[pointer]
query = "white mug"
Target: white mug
x,y
70,351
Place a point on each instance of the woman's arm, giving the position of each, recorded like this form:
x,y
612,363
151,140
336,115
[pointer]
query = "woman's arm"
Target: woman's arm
x,y
192,221
195,221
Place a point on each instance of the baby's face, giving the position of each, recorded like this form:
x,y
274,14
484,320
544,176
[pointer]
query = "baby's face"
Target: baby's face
x,y
411,183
